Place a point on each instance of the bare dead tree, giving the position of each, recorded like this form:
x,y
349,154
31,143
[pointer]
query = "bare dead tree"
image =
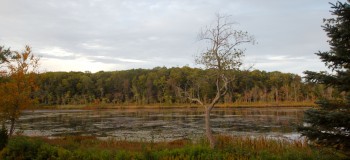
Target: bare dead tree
x,y
223,56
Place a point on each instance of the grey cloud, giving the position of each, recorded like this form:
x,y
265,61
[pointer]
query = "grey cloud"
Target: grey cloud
x,y
59,57
159,32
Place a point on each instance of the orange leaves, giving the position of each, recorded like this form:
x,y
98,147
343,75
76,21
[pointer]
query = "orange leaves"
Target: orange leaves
x,y
16,91
23,63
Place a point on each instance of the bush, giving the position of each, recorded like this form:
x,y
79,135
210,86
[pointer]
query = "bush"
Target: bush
x,y
47,152
3,137
123,155
23,148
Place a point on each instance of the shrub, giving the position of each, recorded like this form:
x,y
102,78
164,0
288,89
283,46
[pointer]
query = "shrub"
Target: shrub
x,y
47,152
123,155
3,137
21,148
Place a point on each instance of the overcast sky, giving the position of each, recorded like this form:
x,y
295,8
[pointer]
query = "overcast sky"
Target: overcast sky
x,y
94,35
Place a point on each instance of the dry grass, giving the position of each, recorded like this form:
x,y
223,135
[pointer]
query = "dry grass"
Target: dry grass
x,y
112,144
262,143
165,106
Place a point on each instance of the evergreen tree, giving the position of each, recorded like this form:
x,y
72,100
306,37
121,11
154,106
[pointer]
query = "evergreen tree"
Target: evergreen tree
x,y
330,123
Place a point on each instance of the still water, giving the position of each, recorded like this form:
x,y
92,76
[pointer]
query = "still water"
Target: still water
x,y
161,124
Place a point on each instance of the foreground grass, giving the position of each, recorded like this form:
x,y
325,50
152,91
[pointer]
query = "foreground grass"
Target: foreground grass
x,y
76,148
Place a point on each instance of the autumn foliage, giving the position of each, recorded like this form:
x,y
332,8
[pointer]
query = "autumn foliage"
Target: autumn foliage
x,y
17,85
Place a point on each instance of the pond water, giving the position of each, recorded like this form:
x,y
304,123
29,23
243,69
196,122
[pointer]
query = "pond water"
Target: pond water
x,y
161,124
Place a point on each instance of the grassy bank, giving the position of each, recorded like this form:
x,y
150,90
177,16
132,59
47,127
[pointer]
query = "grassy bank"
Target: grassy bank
x,y
164,106
71,148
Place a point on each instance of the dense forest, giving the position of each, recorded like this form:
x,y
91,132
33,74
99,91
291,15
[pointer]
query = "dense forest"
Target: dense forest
x,y
162,85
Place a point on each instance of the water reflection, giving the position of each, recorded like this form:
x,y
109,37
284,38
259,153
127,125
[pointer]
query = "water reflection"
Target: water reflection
x,y
161,124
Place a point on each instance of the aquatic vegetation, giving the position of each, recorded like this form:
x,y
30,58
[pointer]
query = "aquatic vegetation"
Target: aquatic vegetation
x,y
161,124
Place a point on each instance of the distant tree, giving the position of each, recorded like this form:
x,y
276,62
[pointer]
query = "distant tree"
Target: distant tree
x,y
330,124
16,91
220,58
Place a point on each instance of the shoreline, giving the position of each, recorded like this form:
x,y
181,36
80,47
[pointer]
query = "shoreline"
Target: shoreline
x,y
172,106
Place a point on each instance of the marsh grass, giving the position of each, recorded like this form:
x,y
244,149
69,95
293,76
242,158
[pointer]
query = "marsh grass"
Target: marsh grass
x,y
175,105
228,147
271,104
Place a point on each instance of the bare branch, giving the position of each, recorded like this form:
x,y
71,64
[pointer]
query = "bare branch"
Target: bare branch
x,y
189,97
222,53
221,56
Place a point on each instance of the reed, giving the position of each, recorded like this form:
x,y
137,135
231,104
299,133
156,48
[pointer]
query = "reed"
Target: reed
x,y
175,105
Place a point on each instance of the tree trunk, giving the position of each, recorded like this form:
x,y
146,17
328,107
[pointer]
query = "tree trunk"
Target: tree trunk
x,y
276,95
12,127
209,132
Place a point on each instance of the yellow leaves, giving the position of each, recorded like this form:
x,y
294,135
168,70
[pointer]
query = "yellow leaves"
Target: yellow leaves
x,y
26,54
16,91
23,63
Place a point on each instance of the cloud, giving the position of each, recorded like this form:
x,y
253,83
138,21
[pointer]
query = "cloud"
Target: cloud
x,y
95,46
81,64
57,52
130,60
132,33
289,64
114,60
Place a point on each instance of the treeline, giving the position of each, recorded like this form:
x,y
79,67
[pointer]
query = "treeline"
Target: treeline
x,y
167,86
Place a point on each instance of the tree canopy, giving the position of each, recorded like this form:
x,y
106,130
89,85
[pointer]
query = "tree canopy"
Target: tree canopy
x,y
159,86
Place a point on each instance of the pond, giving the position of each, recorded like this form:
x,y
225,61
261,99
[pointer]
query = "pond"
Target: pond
x,y
161,124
